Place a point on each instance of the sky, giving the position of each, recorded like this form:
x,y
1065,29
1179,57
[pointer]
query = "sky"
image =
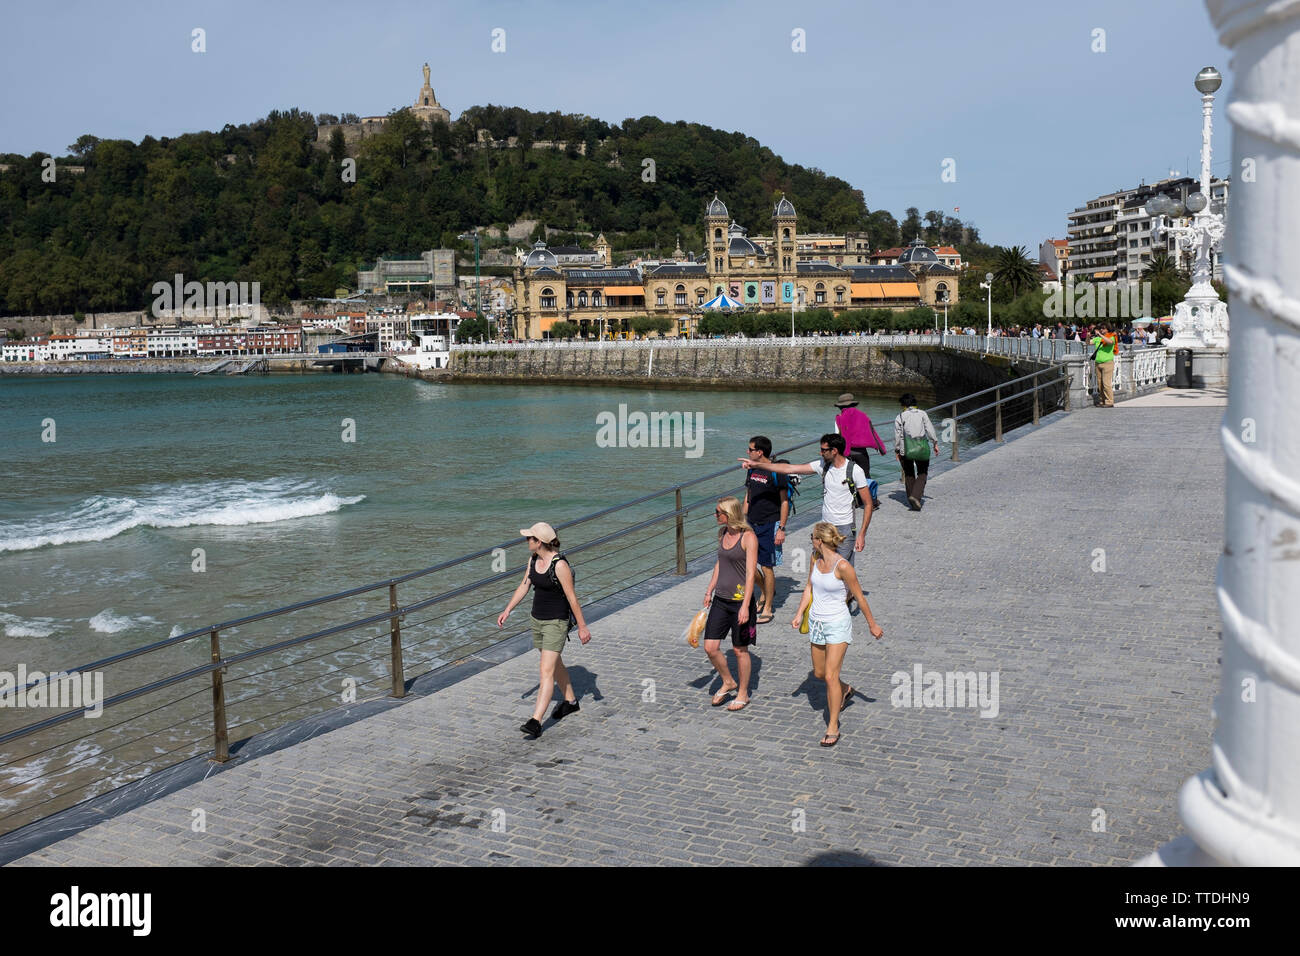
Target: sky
x,y
1037,110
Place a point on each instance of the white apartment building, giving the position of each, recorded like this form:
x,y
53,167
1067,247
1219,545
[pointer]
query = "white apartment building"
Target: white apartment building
x,y
1110,236
171,343
24,350
393,328
93,343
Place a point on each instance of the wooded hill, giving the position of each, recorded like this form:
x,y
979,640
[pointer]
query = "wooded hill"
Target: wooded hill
x,y
261,203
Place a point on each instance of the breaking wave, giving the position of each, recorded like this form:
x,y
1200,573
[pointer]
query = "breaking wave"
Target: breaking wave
x,y
184,505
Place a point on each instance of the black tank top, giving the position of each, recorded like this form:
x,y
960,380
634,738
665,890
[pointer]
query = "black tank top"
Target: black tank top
x,y
549,602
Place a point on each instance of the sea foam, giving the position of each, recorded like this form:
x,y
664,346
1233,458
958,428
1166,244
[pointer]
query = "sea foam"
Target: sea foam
x,y
181,505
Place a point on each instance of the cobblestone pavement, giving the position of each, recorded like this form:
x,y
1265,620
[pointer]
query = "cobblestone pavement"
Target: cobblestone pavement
x,y
1105,680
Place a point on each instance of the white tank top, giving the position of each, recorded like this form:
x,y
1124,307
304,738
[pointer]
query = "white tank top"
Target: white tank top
x,y
829,593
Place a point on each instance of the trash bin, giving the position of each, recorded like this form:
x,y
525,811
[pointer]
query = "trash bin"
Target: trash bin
x,y
1182,377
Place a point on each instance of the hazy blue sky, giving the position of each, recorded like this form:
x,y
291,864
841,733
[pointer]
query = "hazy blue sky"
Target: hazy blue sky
x,y
1036,121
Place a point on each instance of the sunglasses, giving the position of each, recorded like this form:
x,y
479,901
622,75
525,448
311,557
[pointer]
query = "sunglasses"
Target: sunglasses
x,y
531,538
824,451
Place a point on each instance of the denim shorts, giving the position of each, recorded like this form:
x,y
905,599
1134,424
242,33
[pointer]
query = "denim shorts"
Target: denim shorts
x,y
838,631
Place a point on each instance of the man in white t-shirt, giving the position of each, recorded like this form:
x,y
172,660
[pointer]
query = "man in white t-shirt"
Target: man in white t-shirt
x,y
837,499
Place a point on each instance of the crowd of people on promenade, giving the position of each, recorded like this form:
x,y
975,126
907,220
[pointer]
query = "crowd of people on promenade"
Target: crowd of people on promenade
x,y
740,595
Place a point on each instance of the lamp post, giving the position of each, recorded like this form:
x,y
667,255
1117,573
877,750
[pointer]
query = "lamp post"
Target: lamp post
x,y
1201,319
988,284
478,286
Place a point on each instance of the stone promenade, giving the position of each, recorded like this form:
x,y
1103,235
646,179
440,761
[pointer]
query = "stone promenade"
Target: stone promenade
x,y
1105,681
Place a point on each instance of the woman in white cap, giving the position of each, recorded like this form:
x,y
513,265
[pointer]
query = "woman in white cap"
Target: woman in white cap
x,y
551,579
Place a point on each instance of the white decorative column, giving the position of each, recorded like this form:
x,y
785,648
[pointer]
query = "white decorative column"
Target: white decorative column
x,y
1245,810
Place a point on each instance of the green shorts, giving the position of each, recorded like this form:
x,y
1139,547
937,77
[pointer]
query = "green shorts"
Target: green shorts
x,y
550,635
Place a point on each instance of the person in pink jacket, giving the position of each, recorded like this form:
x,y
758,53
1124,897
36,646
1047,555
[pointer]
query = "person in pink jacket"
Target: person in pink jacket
x,y
859,434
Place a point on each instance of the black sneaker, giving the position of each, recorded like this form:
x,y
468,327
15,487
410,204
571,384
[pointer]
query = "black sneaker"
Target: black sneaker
x,y
532,727
564,708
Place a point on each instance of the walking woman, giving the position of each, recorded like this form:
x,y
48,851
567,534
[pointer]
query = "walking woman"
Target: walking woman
x,y
551,579
913,434
831,580
733,612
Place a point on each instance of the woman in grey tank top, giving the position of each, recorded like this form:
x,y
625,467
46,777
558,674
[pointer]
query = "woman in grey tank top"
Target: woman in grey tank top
x,y
731,591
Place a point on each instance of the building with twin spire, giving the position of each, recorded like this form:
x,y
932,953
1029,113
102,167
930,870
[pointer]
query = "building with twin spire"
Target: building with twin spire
x,y
774,272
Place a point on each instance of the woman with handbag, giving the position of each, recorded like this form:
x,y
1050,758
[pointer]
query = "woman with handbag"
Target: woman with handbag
x,y
824,617
551,579
912,429
730,600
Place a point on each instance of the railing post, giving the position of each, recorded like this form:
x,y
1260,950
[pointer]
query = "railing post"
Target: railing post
x,y
1035,386
956,434
997,411
395,639
221,736
681,535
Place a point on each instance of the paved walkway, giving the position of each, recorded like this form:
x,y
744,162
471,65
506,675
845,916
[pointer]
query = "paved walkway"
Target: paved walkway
x,y
1105,684
1179,398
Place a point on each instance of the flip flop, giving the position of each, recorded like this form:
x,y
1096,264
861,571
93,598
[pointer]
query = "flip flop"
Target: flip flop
x,y
833,738
765,618
733,708
721,696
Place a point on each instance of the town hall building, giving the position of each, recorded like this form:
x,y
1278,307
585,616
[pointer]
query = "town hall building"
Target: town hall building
x,y
762,273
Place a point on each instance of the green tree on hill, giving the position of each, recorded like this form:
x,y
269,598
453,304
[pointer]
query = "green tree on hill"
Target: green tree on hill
x,y
263,202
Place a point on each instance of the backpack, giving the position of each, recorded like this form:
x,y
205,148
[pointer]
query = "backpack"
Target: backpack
x,y
790,483
555,581
872,486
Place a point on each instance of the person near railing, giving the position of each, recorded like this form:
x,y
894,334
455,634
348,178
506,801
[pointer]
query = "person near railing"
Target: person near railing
x,y
832,583
549,575
859,434
1106,343
766,506
842,480
914,424
730,600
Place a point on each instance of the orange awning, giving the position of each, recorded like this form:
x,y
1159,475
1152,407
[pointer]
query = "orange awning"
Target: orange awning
x,y
624,290
901,290
867,290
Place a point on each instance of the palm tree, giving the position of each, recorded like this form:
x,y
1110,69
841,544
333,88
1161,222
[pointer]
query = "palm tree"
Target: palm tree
x,y
1161,267
1015,268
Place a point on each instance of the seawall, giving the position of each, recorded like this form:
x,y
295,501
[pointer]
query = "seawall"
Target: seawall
x,y
159,366
930,372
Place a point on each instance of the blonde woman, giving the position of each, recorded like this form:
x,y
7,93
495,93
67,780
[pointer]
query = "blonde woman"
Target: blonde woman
x,y
733,613
831,580
551,579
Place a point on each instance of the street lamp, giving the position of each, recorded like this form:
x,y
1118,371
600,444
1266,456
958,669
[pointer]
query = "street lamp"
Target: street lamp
x,y
988,284
1201,319
478,287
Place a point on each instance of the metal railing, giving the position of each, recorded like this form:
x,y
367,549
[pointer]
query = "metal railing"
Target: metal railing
x,y
1136,372
1045,349
1017,390
27,779
678,342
